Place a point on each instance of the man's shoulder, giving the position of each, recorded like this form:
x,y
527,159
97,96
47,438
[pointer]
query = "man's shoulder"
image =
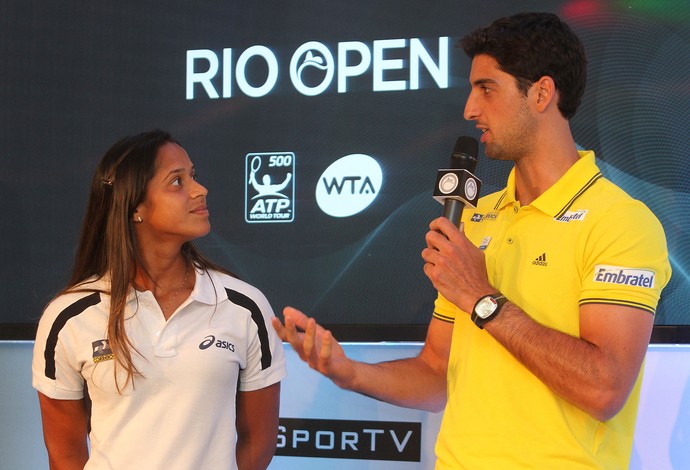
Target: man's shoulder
x,y
606,197
493,200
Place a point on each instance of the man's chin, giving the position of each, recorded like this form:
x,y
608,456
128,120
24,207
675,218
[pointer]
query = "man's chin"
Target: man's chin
x,y
490,151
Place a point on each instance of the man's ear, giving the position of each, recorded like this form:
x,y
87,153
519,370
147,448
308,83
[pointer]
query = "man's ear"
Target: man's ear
x,y
546,94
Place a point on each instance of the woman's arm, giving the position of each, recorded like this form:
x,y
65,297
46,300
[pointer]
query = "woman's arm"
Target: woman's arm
x,y
257,427
64,432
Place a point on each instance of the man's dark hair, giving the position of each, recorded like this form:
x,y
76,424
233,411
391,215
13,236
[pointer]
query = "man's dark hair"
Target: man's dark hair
x,y
529,46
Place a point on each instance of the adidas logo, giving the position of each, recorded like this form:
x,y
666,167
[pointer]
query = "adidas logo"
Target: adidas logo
x,y
541,260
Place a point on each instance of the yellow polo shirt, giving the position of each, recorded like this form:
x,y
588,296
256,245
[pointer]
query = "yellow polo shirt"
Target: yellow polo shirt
x,y
583,241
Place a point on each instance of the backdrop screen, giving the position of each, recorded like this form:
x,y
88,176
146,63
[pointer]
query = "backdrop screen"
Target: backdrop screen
x,y
318,128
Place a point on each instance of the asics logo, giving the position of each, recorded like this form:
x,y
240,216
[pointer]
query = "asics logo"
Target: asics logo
x,y
210,340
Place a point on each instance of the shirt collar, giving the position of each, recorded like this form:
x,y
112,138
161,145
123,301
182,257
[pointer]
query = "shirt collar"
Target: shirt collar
x,y
559,197
208,288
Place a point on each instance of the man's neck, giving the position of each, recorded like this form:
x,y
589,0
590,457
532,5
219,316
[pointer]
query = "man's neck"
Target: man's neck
x,y
537,172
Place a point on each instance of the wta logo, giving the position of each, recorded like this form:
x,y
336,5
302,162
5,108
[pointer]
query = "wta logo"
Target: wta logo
x,y
349,185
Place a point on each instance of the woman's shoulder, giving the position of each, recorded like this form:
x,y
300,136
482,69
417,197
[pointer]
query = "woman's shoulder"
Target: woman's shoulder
x,y
91,287
74,300
230,283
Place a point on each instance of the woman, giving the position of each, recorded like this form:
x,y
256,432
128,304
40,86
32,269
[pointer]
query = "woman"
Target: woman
x,y
171,351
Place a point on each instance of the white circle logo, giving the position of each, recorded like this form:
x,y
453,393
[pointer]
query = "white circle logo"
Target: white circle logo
x,y
324,62
349,185
448,183
470,188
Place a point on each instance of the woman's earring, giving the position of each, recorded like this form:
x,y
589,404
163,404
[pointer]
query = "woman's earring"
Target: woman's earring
x,y
138,219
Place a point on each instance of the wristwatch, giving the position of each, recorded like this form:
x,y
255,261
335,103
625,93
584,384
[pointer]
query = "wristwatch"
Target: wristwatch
x,y
487,308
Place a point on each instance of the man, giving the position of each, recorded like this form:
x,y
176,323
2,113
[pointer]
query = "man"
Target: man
x,y
547,292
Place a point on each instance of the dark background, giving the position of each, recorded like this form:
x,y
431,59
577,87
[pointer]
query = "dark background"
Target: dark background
x,y
77,76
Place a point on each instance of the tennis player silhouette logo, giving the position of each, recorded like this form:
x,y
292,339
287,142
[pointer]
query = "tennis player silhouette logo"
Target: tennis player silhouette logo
x,y
269,187
266,187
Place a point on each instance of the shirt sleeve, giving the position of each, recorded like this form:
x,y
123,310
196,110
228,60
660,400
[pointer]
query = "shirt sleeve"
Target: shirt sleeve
x,y
445,310
626,259
55,371
265,355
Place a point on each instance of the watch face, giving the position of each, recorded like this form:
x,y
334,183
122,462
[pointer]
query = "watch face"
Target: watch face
x,y
485,307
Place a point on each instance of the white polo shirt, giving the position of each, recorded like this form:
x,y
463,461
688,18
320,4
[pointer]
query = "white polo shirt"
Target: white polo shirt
x,y
181,414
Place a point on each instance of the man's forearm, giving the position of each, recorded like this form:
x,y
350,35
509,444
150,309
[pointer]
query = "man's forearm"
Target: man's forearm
x,y
410,383
585,374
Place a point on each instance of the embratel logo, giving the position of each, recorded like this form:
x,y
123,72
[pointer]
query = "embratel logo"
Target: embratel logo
x,y
102,351
270,187
349,439
624,276
349,185
572,215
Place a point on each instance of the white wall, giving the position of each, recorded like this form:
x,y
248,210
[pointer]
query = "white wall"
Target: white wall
x,y
662,436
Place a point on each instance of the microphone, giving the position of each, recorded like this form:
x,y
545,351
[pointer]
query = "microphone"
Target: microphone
x,y
456,186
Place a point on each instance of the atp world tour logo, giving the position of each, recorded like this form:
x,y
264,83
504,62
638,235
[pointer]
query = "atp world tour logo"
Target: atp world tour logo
x,y
269,187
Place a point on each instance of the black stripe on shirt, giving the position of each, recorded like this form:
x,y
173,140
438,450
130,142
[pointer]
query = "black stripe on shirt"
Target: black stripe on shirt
x,y
579,193
70,312
444,318
242,300
500,200
624,303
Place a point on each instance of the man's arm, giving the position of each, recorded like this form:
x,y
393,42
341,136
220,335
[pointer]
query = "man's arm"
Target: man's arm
x,y
594,372
257,427
417,382
64,432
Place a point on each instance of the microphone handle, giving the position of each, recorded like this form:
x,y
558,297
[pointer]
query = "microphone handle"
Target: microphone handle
x,y
452,210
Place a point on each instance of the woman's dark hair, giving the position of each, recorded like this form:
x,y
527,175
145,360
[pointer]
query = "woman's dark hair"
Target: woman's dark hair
x,y
529,46
107,243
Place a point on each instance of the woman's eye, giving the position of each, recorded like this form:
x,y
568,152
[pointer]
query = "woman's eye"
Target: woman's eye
x,y
177,181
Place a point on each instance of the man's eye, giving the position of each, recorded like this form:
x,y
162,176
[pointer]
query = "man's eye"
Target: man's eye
x,y
177,181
